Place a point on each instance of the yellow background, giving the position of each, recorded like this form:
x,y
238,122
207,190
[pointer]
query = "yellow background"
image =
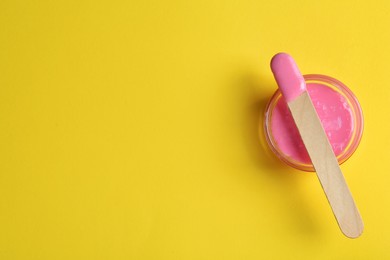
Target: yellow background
x,y
129,129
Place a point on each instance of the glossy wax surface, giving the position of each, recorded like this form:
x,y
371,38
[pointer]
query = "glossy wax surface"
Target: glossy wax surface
x,y
336,118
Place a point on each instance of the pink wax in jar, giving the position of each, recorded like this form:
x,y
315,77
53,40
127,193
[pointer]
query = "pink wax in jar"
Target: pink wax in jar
x,y
340,115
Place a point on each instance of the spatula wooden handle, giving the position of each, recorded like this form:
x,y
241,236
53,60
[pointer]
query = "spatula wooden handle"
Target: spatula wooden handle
x,y
326,165
293,87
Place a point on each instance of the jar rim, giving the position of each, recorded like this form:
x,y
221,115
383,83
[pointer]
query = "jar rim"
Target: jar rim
x,y
352,101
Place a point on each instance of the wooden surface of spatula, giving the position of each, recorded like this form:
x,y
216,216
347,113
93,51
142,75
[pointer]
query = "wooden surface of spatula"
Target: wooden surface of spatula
x,y
293,87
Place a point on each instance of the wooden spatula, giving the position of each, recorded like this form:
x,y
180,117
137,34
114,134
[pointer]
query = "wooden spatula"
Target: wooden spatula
x,y
293,87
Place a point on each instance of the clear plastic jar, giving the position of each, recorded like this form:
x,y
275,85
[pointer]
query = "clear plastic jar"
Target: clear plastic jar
x,y
356,124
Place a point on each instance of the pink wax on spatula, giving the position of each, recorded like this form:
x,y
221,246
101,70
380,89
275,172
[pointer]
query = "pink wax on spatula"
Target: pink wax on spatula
x,y
315,140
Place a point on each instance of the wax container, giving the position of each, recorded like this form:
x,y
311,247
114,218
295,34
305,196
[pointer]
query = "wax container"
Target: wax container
x,y
340,114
